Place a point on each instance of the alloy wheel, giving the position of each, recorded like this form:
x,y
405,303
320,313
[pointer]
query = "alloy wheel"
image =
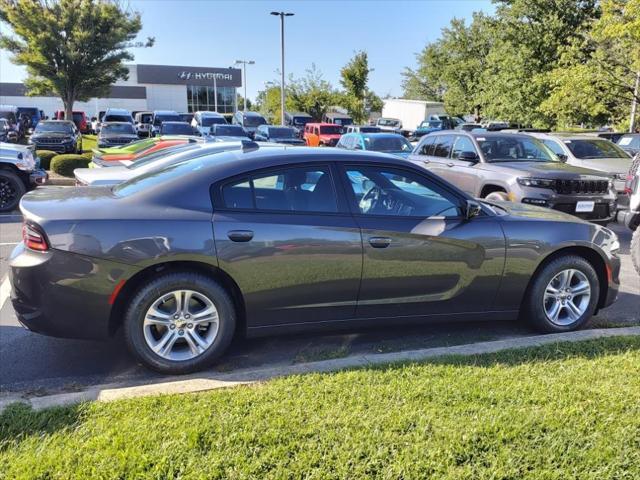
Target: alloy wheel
x,y
8,192
566,297
181,325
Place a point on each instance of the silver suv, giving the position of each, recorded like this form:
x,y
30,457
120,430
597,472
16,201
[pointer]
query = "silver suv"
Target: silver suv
x,y
518,168
19,171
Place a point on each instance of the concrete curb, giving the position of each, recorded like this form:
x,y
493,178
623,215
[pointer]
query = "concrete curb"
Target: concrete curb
x,y
214,380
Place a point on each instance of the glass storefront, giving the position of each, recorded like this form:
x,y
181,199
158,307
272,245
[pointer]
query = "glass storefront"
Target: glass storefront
x,y
203,98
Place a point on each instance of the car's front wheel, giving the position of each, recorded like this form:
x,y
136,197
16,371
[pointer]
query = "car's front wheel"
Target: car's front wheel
x,y
563,295
179,323
11,190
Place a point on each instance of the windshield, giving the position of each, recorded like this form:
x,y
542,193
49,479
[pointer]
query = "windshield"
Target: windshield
x,y
157,177
77,117
145,118
208,121
169,128
170,152
114,118
387,144
254,121
343,121
53,127
166,118
121,128
431,124
330,129
301,121
369,129
514,149
588,148
281,133
388,122
228,131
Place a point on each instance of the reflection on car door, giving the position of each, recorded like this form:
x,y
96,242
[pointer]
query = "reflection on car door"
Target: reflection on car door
x,y
421,255
291,245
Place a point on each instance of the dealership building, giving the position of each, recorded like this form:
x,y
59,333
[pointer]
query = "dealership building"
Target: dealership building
x,y
149,87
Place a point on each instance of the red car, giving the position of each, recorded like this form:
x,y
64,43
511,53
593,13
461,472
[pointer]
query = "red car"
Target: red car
x,y
322,134
79,118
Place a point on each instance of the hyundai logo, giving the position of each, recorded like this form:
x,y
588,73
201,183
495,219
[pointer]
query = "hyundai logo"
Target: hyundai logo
x,y
184,75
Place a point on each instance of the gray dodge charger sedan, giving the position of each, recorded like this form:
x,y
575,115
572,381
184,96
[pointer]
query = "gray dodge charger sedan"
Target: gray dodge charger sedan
x,y
260,241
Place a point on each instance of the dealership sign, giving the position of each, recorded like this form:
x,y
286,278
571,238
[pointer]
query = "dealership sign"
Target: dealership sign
x,y
172,75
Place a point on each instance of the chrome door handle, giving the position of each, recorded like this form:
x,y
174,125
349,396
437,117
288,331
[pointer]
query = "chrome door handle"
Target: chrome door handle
x,y
379,242
449,164
240,235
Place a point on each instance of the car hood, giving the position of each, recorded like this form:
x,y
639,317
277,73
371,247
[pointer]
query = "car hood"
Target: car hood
x,y
103,176
35,136
608,165
556,170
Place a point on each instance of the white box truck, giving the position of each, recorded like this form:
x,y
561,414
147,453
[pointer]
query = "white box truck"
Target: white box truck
x,y
411,112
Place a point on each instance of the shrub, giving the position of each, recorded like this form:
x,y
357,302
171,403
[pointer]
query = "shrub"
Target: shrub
x,y
65,164
45,157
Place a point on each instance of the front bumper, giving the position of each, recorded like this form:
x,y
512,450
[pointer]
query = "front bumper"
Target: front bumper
x,y
62,294
38,177
56,147
613,284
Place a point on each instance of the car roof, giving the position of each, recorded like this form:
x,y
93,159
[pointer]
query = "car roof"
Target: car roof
x,y
165,112
56,121
115,123
209,113
488,134
118,110
323,124
175,122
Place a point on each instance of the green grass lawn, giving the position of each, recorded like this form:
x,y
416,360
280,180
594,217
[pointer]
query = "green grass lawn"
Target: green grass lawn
x,y
89,142
565,411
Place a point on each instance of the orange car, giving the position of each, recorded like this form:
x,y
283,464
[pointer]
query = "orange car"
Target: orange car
x,y
322,134
126,158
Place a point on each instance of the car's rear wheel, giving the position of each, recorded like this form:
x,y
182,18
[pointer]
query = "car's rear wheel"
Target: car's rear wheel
x,y
499,196
179,323
563,296
11,190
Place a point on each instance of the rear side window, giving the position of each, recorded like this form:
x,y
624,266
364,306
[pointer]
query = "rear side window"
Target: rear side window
x,y
442,146
427,146
300,189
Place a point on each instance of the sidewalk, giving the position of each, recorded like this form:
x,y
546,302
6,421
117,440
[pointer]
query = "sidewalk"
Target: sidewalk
x,y
213,380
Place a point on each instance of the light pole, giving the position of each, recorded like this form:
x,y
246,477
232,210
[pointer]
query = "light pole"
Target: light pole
x,y
244,64
282,15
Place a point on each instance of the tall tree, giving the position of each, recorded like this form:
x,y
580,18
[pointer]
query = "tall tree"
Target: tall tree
x,y
72,48
354,78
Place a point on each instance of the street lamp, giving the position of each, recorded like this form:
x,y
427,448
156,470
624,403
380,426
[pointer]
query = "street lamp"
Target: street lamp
x,y
282,15
244,64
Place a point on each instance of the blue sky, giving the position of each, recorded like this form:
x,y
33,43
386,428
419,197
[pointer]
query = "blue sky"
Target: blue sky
x,y
215,33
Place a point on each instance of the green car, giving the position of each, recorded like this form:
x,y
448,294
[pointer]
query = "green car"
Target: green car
x,y
133,147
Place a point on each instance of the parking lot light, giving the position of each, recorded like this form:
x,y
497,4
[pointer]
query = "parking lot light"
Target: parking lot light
x,y
244,64
282,15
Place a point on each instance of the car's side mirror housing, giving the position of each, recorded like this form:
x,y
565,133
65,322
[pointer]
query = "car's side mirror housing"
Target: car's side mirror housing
x,y
468,157
562,157
473,209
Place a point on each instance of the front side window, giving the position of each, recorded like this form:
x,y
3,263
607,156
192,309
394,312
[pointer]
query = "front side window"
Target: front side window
x,y
554,146
442,146
462,144
396,192
427,145
299,189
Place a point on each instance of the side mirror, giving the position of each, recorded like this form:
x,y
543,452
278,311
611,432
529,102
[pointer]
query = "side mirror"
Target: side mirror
x,y
563,158
473,209
468,157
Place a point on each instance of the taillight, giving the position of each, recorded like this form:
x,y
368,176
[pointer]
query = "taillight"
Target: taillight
x,y
33,239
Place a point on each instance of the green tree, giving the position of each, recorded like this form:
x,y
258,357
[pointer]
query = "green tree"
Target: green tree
x,y
354,78
72,48
240,102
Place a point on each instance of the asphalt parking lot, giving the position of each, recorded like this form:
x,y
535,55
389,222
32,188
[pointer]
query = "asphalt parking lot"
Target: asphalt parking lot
x,y
36,364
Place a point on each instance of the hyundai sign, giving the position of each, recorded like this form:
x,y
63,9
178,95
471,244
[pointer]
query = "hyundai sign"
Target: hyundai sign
x,y
170,75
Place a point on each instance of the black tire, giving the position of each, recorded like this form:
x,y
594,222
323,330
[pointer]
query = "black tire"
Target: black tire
x,y
11,190
635,249
499,196
533,307
145,297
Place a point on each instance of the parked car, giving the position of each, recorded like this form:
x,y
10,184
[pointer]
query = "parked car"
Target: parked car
x,y
57,135
612,136
96,177
176,128
202,121
7,134
297,120
276,134
250,121
389,125
186,117
143,123
126,157
322,134
468,127
336,118
9,113
516,167
79,118
117,115
381,240
361,129
631,218
160,116
19,172
428,126
32,113
389,142
225,133
116,133
630,143
594,153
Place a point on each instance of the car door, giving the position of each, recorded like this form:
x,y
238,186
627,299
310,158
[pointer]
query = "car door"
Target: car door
x,y
422,256
438,155
290,243
463,173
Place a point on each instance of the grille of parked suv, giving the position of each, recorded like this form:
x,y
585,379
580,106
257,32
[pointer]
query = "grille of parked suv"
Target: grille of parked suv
x,y
51,140
600,211
568,187
119,141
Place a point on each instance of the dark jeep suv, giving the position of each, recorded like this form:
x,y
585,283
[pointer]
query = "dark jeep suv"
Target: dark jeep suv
x,y
519,168
57,135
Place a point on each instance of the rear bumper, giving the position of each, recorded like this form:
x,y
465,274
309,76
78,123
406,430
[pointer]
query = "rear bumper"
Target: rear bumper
x,y
63,294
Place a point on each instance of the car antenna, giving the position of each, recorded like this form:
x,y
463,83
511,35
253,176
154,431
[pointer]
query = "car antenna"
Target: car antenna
x,y
249,146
